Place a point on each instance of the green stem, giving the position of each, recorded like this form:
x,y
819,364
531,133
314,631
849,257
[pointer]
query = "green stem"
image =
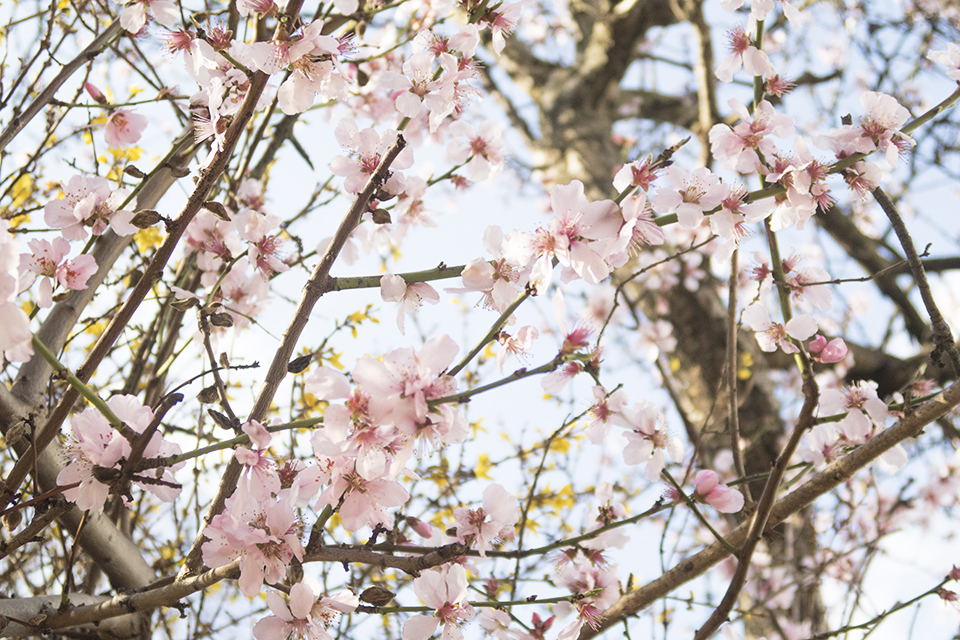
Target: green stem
x,y
441,272
493,332
78,384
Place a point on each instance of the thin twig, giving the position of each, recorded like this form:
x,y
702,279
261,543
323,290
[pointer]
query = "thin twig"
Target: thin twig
x,y
733,403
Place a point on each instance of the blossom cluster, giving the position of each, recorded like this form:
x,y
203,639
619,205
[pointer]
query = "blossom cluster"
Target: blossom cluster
x,y
97,448
398,406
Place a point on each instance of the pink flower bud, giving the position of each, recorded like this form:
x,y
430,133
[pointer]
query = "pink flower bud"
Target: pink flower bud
x,y
828,352
422,528
95,93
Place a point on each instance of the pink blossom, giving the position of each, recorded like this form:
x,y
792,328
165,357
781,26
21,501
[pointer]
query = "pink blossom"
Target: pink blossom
x,y
15,339
497,624
502,20
519,343
807,283
326,383
753,60
124,128
393,288
362,502
256,7
496,279
638,228
260,476
604,412
47,260
419,89
312,61
369,147
693,193
95,93
719,496
263,248
739,148
492,522
134,15
771,334
648,440
263,534
445,590
482,152
950,59
862,177
96,444
862,406
88,202
636,174
581,576
609,512
306,614
576,236
828,352
882,122
402,382
822,445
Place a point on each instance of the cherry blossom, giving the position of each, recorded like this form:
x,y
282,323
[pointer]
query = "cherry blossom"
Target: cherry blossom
x,y
739,148
771,334
312,61
482,152
821,443
800,281
263,248
306,615
608,513
444,589
862,406
88,202
502,20
636,174
882,122
369,147
949,58
572,236
693,193
419,90
326,383
403,381
492,522
15,339
519,343
497,624
98,445
605,412
648,440
256,7
264,535
260,477
361,502
393,288
581,576
753,60
134,14
638,228
496,279
47,260
124,128
719,496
